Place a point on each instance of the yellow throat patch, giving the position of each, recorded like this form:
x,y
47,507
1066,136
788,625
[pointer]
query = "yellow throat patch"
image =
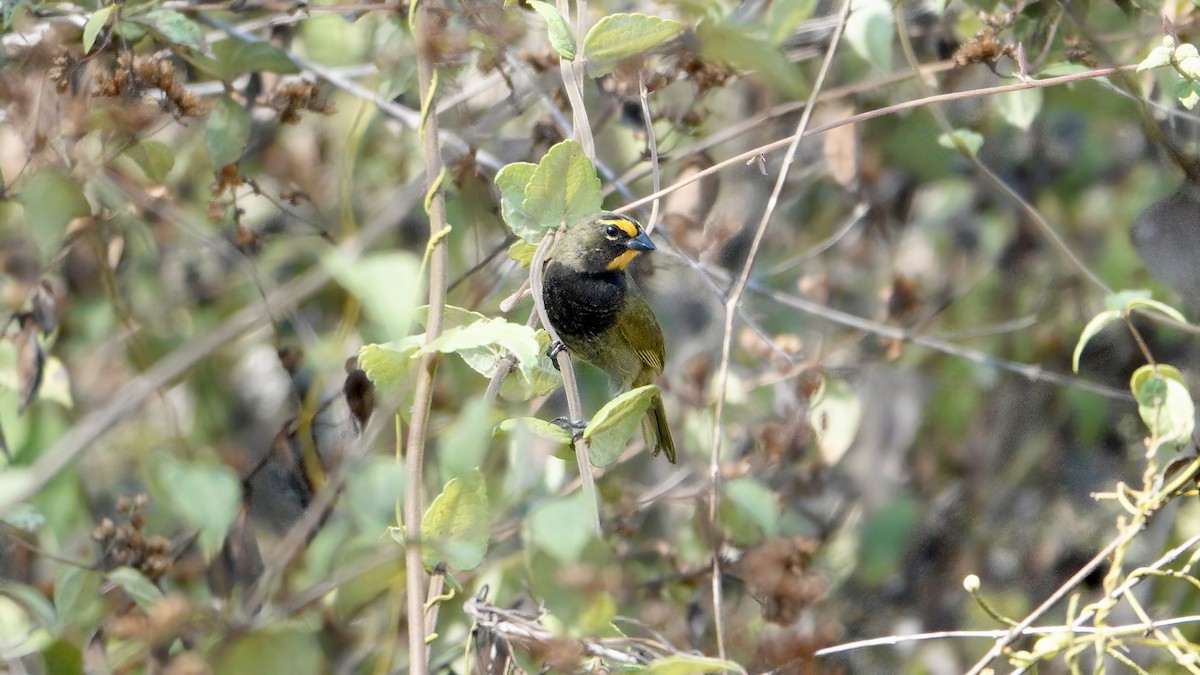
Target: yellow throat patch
x,y
630,228
622,261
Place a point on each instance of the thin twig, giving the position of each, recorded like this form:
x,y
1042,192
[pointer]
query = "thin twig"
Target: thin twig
x,y
652,144
1111,631
572,75
1131,529
414,568
872,114
570,386
731,304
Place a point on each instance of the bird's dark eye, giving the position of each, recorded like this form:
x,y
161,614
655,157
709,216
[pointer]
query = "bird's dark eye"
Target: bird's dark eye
x,y
611,231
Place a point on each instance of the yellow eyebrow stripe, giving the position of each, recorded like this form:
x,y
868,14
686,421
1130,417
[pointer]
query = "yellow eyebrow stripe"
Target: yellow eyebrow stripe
x,y
627,226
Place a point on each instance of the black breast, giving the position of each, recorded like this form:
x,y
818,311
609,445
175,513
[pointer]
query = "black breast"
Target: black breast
x,y
581,304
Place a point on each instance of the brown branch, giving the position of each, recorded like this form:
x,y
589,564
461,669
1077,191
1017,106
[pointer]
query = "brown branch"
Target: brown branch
x,y
414,568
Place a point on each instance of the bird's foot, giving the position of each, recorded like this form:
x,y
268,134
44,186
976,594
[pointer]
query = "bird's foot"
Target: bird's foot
x,y
576,427
553,350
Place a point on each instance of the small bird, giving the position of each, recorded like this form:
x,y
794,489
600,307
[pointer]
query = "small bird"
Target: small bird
x,y
601,316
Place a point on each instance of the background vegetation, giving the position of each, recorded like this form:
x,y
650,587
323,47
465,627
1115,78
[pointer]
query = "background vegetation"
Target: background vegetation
x,y
262,270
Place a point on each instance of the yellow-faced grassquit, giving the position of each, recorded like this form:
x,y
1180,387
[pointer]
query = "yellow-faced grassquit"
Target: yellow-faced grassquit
x,y
600,314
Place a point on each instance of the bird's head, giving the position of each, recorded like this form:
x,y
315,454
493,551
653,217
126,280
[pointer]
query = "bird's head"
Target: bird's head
x,y
603,242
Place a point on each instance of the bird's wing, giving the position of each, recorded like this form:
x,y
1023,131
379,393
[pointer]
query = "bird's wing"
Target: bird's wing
x,y
640,329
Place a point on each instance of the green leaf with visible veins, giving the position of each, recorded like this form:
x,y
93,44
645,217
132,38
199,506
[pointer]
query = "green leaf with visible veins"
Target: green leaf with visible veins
x,y
456,527
617,37
564,188
613,426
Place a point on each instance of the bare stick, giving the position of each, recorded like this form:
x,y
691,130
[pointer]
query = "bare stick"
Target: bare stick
x,y
570,386
731,304
414,568
651,143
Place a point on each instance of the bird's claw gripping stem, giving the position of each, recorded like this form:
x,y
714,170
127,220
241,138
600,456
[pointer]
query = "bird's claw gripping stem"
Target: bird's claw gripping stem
x,y
576,427
553,350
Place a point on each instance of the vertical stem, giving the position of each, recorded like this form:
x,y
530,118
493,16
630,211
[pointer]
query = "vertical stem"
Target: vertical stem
x,y
570,386
414,570
731,304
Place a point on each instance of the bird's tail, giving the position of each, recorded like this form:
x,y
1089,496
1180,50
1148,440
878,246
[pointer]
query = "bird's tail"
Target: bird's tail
x,y
656,431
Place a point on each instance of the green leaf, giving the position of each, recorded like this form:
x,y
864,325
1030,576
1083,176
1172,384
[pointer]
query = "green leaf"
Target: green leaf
x,y
95,23
534,379
564,188
556,27
56,383
1090,331
227,132
1120,301
1062,68
1020,108
783,16
1164,403
14,483
63,656
276,651
732,47
969,140
137,586
612,427
204,495
390,366
456,527
756,502
24,517
835,415
512,180
1188,93
870,33
620,36
559,526
175,27
522,252
684,664
389,285
463,446
51,200
538,427
32,600
1156,306
234,57
480,344
156,159
76,595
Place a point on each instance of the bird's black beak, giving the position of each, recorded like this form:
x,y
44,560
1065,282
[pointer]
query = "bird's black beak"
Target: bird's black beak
x,y
641,242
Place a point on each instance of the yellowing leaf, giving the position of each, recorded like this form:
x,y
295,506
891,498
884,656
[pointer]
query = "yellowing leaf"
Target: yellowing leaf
x,y
455,529
95,23
1164,403
835,415
1090,331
